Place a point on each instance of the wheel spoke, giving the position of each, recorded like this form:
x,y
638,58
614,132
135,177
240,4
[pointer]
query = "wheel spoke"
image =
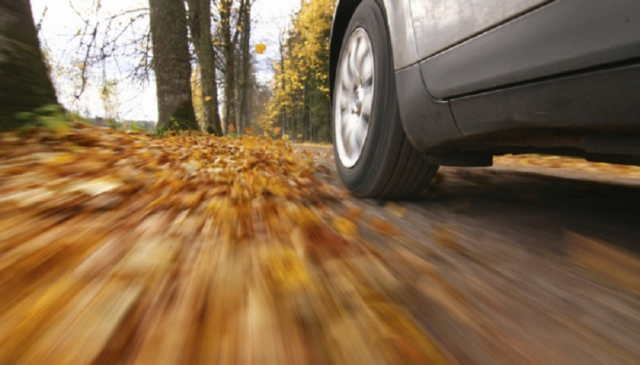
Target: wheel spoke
x,y
352,136
353,62
363,54
350,126
347,78
345,100
367,103
360,132
346,123
367,71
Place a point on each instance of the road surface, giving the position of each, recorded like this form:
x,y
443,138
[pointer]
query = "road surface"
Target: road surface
x,y
520,265
130,249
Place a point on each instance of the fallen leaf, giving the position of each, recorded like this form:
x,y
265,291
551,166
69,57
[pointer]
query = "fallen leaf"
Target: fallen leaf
x,y
383,228
345,227
396,209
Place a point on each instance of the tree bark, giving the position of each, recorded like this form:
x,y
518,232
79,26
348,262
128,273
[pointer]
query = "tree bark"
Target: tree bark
x,y
229,57
245,69
24,80
171,63
200,24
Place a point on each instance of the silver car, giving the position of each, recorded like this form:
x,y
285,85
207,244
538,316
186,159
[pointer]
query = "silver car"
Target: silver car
x,y
418,84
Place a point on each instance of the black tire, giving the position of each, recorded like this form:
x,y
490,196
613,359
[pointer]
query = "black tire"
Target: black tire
x,y
389,167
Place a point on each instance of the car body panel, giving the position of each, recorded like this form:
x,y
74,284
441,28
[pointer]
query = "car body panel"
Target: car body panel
x,y
599,100
399,21
427,122
563,36
403,38
439,24
526,69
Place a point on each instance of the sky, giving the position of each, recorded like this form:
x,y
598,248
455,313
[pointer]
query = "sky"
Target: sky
x,y
135,101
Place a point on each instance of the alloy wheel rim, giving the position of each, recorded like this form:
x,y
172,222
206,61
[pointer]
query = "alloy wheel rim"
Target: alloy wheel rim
x,y
354,98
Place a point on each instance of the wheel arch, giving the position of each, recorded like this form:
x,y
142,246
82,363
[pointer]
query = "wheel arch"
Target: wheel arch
x,y
400,25
427,122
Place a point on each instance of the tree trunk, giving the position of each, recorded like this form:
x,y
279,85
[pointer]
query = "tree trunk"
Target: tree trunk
x,y
24,81
200,23
229,58
171,63
245,40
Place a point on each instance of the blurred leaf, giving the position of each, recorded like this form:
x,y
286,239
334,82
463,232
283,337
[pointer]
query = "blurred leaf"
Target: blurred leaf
x,y
396,209
345,227
261,48
383,228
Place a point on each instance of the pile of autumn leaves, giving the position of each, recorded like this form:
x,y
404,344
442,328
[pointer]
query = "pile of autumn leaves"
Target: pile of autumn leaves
x,y
244,182
130,248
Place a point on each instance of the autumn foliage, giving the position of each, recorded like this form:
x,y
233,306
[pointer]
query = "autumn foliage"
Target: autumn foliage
x,y
301,104
129,248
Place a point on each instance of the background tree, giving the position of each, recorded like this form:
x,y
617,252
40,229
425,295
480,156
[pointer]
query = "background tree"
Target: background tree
x,y
200,26
245,86
24,82
114,43
229,39
171,63
301,105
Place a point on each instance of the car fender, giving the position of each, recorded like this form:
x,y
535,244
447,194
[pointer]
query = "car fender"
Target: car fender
x,y
398,15
428,123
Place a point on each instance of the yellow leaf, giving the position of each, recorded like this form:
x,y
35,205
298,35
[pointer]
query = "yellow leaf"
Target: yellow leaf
x,y
276,131
395,209
208,98
285,137
345,227
261,48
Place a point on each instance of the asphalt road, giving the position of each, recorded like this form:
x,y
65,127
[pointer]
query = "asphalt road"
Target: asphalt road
x,y
519,265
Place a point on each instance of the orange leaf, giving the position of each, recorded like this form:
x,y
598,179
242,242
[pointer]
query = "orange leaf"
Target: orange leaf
x,y
383,228
354,213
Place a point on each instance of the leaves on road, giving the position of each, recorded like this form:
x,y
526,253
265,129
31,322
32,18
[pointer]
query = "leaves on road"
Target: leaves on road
x,y
127,248
569,163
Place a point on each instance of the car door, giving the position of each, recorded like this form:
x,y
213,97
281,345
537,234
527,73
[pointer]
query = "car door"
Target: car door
x,y
469,46
440,24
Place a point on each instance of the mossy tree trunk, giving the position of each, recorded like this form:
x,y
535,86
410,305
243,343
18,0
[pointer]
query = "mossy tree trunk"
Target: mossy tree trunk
x,y
171,64
24,82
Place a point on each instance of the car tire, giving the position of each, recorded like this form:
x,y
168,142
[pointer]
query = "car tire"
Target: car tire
x,y
388,166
